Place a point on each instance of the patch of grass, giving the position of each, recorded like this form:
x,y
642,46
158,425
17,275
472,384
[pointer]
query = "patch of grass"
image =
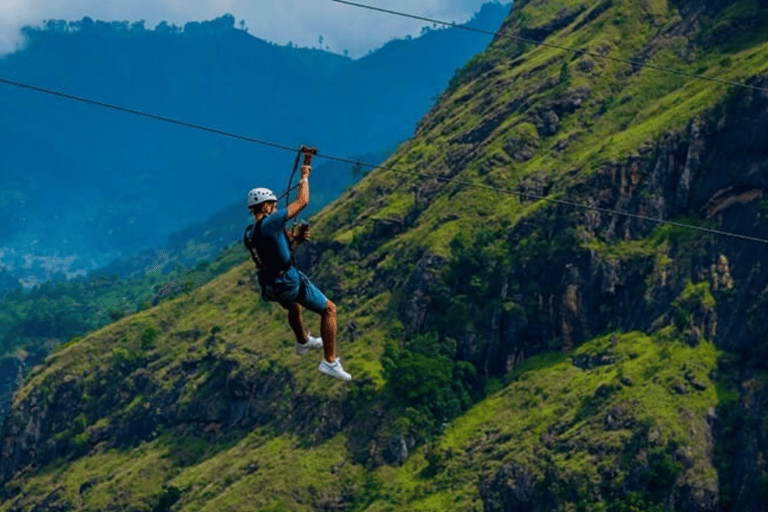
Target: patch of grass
x,y
618,250
690,300
147,477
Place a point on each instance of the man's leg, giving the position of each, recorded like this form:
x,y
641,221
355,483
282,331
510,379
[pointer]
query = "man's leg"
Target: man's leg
x,y
330,365
328,331
294,320
314,300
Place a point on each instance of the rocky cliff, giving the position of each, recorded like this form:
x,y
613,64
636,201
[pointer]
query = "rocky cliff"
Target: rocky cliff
x,y
11,374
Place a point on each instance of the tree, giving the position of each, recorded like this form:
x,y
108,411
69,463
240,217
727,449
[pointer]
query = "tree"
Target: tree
x,y
56,25
421,373
87,23
119,26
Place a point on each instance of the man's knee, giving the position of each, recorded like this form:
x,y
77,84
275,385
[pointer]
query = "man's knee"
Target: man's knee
x,y
330,308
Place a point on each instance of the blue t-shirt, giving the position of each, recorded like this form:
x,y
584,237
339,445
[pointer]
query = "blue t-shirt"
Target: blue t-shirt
x,y
273,250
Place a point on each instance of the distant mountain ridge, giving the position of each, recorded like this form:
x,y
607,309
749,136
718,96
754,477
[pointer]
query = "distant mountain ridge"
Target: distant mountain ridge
x,y
121,183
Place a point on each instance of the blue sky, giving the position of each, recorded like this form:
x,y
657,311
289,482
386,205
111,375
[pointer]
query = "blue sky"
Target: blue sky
x,y
301,21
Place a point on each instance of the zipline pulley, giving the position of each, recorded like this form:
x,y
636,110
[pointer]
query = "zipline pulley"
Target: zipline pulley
x,y
308,154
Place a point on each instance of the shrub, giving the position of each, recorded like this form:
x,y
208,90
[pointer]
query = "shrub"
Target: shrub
x,y
662,471
473,68
419,375
124,362
148,338
168,497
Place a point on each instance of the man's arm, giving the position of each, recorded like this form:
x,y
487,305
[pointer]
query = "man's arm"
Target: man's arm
x,y
302,199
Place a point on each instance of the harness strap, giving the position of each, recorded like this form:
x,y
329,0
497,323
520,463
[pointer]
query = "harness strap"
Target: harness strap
x,y
248,242
252,239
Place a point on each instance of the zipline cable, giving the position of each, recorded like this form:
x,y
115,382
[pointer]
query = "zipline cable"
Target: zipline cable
x,y
159,118
577,51
145,114
285,147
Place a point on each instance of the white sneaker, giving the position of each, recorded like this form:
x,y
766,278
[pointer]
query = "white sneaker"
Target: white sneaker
x,y
334,369
303,348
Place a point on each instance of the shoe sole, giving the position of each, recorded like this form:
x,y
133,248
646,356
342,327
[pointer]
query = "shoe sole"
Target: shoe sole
x,y
303,349
335,375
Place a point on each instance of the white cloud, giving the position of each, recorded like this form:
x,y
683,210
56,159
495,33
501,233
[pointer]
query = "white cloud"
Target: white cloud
x,y
300,21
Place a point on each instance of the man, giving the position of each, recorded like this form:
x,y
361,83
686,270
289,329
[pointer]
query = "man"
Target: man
x,y
268,242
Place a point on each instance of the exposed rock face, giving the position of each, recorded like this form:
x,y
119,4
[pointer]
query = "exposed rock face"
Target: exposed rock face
x,y
745,444
515,488
718,168
422,281
12,371
11,374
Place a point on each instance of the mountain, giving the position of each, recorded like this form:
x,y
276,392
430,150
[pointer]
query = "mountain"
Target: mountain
x,y
122,183
515,345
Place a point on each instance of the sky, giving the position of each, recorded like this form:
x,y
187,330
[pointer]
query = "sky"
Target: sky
x,y
301,22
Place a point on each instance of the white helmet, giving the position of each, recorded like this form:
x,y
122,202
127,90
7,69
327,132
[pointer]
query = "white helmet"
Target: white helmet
x,y
260,195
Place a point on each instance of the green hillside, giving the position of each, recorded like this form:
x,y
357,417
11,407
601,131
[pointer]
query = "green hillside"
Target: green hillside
x,y
508,352
205,396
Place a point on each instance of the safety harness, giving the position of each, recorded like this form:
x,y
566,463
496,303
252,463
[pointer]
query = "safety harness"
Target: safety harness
x,y
252,237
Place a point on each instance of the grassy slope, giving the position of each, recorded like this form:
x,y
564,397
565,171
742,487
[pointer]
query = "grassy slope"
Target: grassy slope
x,y
556,412
647,380
253,337
547,410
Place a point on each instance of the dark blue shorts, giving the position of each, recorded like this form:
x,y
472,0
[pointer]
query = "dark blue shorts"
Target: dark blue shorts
x,y
291,288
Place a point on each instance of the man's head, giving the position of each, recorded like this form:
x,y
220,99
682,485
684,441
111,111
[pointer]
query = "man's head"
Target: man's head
x,y
261,200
